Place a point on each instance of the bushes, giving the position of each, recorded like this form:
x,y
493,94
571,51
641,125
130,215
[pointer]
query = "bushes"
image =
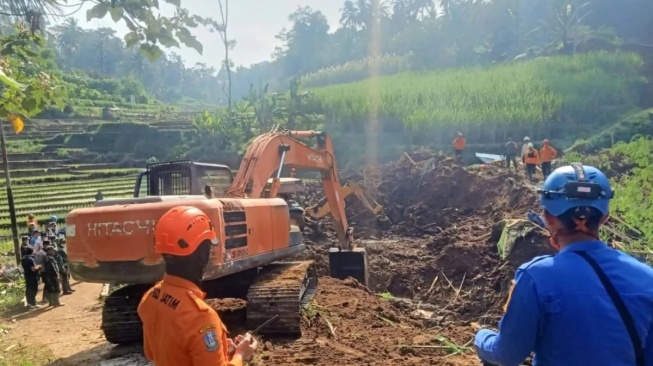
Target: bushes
x,y
83,87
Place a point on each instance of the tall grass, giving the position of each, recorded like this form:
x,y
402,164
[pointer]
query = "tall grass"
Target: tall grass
x,y
544,91
357,70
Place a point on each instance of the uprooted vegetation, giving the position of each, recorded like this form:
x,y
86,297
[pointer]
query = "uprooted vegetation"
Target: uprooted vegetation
x,y
436,266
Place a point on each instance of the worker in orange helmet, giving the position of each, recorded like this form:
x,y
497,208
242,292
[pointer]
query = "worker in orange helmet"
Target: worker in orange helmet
x,y
31,223
547,154
179,328
459,146
532,160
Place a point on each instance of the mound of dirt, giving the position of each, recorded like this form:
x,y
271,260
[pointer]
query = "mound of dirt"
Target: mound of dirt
x,y
446,222
349,325
424,192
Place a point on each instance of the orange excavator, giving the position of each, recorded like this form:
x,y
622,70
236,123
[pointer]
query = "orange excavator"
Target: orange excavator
x,y
113,242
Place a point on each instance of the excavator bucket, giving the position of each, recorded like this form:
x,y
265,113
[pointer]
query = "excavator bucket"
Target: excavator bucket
x,y
349,263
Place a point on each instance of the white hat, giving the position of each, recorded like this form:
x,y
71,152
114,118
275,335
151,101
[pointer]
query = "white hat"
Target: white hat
x,y
527,138
530,144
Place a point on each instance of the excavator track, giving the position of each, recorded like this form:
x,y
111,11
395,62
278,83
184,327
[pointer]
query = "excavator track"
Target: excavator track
x,y
120,321
282,289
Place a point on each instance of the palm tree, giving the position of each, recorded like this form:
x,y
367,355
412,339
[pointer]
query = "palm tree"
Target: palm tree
x,y
420,9
68,35
350,17
31,10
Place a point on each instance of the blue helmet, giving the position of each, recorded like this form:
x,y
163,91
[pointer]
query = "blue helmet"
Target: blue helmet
x,y
53,219
576,185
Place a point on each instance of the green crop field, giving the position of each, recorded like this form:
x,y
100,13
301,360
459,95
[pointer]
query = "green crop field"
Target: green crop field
x,y
57,195
540,93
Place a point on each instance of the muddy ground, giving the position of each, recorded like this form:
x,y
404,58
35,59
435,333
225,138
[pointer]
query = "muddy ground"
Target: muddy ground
x,y
432,257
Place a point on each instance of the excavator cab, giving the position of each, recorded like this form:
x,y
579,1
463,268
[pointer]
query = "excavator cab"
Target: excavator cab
x,y
183,178
289,188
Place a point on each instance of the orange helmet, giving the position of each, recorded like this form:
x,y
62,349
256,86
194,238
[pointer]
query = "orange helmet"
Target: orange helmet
x,y
181,230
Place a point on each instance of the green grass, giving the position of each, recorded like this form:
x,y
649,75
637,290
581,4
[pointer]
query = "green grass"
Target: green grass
x,y
532,92
11,294
386,296
630,166
24,355
60,197
84,182
85,175
634,198
631,125
6,247
24,146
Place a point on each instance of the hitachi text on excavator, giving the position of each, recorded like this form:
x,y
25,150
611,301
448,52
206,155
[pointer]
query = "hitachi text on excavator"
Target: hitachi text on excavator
x,y
113,241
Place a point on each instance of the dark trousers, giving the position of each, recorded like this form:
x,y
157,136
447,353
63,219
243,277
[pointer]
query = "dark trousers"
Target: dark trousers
x,y
546,169
459,155
52,289
65,281
512,159
530,170
31,289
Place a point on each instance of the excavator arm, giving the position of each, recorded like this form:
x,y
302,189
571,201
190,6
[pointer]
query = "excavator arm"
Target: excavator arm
x,y
272,151
322,208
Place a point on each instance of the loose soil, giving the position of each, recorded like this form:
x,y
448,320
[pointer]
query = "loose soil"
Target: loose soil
x,y
432,257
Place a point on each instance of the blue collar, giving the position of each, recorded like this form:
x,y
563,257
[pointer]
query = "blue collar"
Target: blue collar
x,y
582,246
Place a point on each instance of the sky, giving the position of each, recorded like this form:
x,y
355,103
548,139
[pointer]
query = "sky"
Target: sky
x,y
252,23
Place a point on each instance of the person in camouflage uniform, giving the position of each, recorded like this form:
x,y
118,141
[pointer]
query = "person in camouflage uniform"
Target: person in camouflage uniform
x,y
51,288
62,262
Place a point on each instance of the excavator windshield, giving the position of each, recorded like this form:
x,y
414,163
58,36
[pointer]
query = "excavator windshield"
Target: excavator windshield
x,y
181,178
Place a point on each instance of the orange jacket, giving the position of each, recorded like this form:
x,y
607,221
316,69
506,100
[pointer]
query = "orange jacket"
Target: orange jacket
x,y
532,157
459,143
179,328
548,153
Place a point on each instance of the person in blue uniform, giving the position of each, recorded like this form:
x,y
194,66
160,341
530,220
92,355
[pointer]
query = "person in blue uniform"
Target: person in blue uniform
x,y
586,305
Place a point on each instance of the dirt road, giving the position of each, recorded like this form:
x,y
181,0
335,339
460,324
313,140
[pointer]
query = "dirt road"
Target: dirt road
x,y
70,333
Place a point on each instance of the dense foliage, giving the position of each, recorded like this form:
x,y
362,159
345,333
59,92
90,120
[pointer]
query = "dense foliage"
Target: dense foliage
x,y
374,38
634,198
630,167
25,86
100,53
458,33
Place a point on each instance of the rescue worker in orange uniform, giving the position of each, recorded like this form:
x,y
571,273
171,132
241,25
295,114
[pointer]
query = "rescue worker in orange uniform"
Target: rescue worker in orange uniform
x,y
547,154
459,146
179,328
31,223
531,159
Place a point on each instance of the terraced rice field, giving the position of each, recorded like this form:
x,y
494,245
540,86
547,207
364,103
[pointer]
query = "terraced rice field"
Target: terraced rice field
x,y
57,195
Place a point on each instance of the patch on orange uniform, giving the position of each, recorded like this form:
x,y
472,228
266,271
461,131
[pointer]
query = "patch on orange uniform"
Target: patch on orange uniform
x,y
207,327
512,287
211,341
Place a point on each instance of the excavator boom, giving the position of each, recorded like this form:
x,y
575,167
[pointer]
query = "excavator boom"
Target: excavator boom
x,y
269,153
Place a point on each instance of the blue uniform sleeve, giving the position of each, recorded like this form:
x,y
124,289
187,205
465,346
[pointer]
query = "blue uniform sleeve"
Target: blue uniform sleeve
x,y
648,351
518,328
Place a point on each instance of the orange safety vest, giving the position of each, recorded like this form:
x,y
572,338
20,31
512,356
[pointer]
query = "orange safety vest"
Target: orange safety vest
x,y
459,143
179,328
532,157
548,153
